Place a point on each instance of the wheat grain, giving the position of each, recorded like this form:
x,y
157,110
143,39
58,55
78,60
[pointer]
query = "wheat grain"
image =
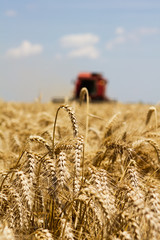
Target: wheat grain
x,y
66,230
77,162
136,229
22,183
6,233
14,215
61,168
40,140
41,234
125,235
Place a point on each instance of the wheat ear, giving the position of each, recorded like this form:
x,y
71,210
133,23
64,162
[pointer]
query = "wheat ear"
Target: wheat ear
x,y
83,93
61,168
71,114
77,162
41,140
6,233
110,124
42,234
66,231
149,115
23,185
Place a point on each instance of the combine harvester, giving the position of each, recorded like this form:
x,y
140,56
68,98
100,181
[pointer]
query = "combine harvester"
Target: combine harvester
x,y
94,82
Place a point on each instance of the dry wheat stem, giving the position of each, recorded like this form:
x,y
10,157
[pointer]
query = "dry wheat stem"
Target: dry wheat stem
x,y
149,114
83,93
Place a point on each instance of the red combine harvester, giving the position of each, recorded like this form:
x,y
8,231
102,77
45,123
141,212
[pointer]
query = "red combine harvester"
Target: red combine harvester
x,y
95,83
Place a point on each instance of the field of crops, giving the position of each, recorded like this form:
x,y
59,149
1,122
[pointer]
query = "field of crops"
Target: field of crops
x,y
79,171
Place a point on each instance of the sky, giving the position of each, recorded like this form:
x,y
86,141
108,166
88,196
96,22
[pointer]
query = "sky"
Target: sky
x,y
45,44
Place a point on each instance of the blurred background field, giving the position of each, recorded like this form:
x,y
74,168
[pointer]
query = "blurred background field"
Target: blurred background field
x,y
20,120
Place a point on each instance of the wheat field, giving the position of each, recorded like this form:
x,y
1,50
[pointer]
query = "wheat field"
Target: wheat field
x,y
71,171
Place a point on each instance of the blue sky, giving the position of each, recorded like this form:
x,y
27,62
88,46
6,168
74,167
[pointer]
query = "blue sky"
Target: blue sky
x,y
45,44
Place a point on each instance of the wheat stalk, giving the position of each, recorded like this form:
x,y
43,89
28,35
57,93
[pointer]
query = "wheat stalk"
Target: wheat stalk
x,y
83,93
149,115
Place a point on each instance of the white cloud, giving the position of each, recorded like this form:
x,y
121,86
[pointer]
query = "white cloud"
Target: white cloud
x,y
119,30
149,31
81,45
116,41
58,56
134,36
79,40
86,51
10,13
26,49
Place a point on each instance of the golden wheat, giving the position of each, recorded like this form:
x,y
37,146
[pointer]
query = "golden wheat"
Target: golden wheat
x,y
54,187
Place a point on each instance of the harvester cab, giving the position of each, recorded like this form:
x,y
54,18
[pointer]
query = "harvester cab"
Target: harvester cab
x,y
95,83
